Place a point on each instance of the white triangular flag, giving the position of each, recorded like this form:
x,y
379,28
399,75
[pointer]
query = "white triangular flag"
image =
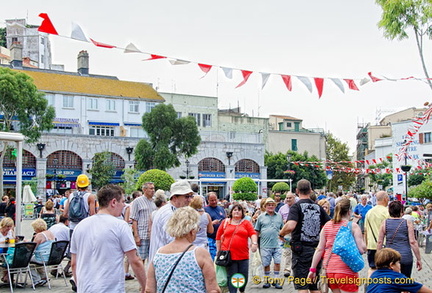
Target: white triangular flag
x,y
131,48
364,81
264,77
305,80
77,33
339,84
228,72
178,62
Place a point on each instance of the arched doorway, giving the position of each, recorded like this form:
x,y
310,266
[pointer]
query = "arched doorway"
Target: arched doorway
x,y
212,168
63,167
247,168
119,165
9,169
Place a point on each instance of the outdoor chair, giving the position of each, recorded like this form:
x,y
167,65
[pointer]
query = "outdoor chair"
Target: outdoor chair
x,y
56,256
19,262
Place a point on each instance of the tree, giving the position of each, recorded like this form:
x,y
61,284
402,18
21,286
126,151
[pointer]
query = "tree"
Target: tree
x,y
245,189
102,170
24,110
2,37
337,151
277,167
169,138
161,179
384,179
416,177
400,15
424,190
281,187
129,178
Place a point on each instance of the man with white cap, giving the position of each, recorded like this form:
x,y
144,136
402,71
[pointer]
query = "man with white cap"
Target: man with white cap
x,y
181,196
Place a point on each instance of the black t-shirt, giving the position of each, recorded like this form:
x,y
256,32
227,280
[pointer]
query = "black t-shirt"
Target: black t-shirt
x,y
310,218
2,208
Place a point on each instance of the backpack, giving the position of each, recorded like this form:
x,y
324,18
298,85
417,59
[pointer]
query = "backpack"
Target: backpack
x,y
77,210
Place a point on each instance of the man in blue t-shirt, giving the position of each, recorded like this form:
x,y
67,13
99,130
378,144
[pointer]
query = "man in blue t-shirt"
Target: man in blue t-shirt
x,y
217,214
361,210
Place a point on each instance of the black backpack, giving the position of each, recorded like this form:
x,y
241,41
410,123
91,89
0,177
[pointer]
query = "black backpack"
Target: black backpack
x,y
77,210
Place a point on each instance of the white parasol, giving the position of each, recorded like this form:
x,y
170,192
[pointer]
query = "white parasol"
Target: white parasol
x,y
28,196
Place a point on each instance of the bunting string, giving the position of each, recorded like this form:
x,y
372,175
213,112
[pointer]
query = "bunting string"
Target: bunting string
x,y
341,83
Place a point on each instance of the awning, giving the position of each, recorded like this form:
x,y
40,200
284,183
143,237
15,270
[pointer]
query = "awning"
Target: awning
x,y
103,123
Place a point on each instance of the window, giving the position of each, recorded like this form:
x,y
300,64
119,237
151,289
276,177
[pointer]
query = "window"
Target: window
x,y
150,106
101,130
92,104
42,58
134,106
42,41
297,126
138,132
62,129
247,166
197,117
289,125
427,137
179,115
50,99
294,144
110,105
14,40
206,120
68,101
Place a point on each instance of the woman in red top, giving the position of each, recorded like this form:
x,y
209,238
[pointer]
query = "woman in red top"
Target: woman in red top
x,y
233,235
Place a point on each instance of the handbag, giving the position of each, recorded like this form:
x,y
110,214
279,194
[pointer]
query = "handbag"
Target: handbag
x,y
174,267
221,276
345,246
223,257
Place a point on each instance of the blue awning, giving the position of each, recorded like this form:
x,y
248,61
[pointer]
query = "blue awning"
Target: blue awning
x,y
132,124
103,123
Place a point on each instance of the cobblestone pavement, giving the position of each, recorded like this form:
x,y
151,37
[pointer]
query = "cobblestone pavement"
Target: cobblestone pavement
x,y
58,286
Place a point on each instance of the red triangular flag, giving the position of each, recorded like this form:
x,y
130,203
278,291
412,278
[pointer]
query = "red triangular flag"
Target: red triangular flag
x,y
374,79
246,75
319,82
351,84
47,26
287,81
99,44
205,68
154,57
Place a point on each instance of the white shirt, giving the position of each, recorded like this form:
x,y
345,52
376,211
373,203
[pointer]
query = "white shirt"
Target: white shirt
x,y
159,237
100,242
60,231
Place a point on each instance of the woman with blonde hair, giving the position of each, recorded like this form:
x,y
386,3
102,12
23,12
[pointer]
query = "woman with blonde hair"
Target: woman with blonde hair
x,y
325,205
194,271
335,267
205,223
44,240
6,229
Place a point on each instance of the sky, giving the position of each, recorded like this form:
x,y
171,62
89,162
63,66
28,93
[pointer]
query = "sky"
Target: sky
x,y
314,38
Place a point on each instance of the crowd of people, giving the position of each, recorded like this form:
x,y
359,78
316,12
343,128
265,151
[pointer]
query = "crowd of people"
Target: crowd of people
x,y
170,240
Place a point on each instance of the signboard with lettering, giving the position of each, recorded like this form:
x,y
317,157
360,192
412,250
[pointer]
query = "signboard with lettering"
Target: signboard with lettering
x,y
211,174
250,175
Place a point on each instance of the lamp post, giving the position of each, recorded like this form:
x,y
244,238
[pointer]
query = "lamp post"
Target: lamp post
x,y
129,151
289,156
187,168
229,156
406,169
40,147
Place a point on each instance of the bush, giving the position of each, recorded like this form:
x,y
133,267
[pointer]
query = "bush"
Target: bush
x,y
281,187
424,190
161,179
245,189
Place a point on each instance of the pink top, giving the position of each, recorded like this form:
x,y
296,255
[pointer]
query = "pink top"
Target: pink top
x,y
335,265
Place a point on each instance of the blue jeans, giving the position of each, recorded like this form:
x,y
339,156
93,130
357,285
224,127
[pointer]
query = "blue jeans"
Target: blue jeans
x,y
238,266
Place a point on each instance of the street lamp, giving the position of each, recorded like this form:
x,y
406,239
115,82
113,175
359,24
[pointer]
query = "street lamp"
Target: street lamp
x,y
229,155
406,169
187,168
55,162
129,151
40,147
289,156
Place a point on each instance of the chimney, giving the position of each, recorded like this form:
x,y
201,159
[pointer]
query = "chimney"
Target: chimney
x,y
16,55
83,63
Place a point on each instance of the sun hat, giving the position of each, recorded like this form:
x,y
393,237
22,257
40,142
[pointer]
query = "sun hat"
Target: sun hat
x,y
180,187
269,200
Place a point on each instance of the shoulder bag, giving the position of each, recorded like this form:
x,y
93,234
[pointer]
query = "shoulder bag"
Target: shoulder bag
x,y
223,257
345,246
174,267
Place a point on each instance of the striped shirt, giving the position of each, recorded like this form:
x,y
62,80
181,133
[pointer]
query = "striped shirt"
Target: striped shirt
x,y
142,208
336,264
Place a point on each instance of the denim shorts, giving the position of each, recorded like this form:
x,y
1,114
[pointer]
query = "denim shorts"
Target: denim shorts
x,y
268,253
